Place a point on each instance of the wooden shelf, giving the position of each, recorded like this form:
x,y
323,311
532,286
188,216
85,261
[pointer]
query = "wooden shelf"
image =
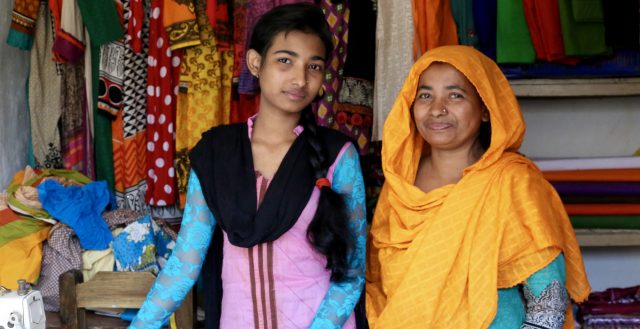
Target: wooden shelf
x,y
607,238
576,87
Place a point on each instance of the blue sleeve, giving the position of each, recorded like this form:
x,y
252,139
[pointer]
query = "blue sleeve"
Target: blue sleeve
x,y
341,298
184,265
546,297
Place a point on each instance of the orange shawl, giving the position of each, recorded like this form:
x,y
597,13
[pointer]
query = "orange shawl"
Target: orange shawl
x,y
437,259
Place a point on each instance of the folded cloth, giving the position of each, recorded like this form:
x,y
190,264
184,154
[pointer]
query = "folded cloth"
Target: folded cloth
x,y
595,188
621,222
603,209
80,208
594,175
599,198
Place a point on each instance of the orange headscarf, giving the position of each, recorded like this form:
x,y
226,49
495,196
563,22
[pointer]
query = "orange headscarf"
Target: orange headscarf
x,y
437,259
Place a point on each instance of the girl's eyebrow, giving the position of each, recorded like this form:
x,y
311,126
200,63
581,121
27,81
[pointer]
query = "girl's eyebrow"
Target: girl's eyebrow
x,y
294,54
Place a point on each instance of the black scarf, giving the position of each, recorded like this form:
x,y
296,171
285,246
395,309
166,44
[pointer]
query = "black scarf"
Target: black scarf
x,y
223,162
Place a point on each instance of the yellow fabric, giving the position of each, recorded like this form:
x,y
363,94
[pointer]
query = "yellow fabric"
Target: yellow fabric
x,y
437,259
22,259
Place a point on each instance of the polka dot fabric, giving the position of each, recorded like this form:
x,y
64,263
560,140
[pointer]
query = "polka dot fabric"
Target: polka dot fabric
x,y
163,69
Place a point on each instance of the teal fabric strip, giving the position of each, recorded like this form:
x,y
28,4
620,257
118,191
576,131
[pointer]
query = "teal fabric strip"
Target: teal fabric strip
x,y
19,39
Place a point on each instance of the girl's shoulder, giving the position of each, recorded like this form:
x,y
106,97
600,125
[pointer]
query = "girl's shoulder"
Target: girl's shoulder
x,y
225,132
333,140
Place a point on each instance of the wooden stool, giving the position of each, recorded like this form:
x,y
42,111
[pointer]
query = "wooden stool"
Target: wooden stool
x,y
111,290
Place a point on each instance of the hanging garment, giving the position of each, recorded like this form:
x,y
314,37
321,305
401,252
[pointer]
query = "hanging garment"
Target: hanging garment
x,y
76,142
103,26
543,20
179,19
354,106
485,15
337,15
69,44
394,39
23,23
462,11
513,41
586,37
163,74
206,83
129,127
433,25
44,96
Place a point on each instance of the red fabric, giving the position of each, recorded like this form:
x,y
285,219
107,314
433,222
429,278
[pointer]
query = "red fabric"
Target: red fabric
x,y
163,74
543,20
244,107
218,14
134,30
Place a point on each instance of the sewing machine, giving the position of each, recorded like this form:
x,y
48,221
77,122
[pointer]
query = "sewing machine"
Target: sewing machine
x,y
22,308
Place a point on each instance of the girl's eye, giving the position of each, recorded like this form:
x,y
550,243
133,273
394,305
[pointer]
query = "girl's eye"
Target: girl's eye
x,y
315,67
456,95
284,60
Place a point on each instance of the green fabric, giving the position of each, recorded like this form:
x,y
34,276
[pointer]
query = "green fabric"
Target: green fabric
x,y
604,221
588,10
102,143
102,21
462,11
20,228
19,39
580,38
513,41
41,213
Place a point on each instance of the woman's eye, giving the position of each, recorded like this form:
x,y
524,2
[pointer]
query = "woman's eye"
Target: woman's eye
x,y
456,95
424,96
284,60
315,67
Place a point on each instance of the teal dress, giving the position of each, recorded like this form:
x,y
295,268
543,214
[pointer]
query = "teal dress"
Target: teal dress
x,y
539,302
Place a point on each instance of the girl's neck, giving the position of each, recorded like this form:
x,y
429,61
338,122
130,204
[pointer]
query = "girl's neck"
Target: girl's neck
x,y
274,126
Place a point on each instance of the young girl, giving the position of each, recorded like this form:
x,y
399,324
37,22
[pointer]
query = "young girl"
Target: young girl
x,y
287,196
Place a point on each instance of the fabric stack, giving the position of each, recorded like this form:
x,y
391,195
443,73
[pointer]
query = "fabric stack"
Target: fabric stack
x,y
599,193
54,220
614,308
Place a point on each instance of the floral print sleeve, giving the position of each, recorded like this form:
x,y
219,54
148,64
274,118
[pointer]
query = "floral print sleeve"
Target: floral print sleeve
x,y
341,298
184,265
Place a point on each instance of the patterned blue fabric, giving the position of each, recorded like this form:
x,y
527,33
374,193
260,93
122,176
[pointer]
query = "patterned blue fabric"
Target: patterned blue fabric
x,y
194,238
512,310
142,246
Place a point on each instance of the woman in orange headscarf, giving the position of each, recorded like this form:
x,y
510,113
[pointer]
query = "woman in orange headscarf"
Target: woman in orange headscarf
x,y
467,233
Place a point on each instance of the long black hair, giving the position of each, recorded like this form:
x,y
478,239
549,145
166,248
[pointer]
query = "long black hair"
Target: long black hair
x,y
328,232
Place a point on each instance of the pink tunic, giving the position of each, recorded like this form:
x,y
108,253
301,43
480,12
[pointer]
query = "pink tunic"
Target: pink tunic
x,y
278,284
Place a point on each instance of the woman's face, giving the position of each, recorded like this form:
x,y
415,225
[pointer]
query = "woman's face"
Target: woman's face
x,y
447,109
291,72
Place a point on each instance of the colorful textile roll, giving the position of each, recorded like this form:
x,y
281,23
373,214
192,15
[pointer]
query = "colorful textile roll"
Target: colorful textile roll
x,y
603,209
627,222
594,188
594,175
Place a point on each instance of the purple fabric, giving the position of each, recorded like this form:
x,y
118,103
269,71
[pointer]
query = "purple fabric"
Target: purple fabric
x,y
248,83
594,188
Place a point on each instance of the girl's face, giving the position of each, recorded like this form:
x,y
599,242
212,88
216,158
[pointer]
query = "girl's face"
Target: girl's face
x,y
447,109
291,72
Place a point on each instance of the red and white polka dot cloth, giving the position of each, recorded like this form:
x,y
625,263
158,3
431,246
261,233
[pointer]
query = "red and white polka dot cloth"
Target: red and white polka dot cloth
x,y
163,72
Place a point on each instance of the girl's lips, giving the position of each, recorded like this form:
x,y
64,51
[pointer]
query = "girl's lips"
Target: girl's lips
x,y
295,95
